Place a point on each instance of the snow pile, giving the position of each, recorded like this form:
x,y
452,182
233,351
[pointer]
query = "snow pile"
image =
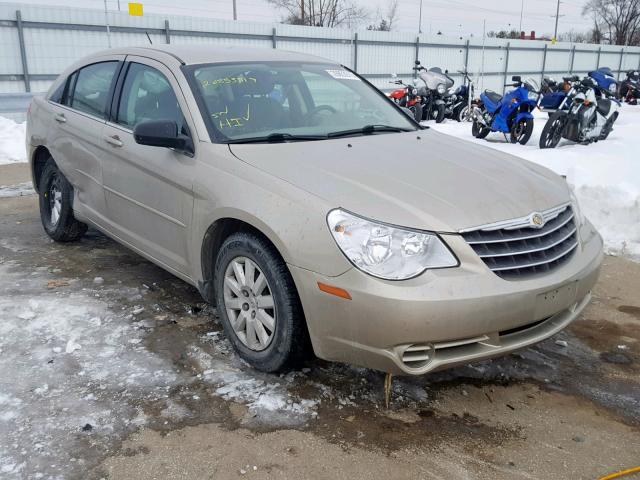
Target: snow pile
x,y
12,141
604,175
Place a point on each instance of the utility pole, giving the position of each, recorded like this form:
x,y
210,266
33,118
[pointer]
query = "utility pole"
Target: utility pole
x,y
420,21
106,21
235,10
555,34
521,12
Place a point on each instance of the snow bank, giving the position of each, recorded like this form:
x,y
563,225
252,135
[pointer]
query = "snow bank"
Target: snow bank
x,y
12,141
604,175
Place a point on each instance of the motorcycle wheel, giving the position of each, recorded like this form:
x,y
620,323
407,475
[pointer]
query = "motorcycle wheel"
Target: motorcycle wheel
x,y
479,131
521,131
462,114
552,131
437,113
608,126
418,114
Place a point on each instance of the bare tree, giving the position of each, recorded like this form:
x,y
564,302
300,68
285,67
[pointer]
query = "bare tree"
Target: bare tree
x,y
616,21
574,36
321,13
386,21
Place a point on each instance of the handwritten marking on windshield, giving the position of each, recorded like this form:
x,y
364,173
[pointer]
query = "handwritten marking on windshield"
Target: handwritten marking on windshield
x,y
224,121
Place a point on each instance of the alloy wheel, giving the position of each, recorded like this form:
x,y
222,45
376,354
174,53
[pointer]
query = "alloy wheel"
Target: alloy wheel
x,y
54,195
249,303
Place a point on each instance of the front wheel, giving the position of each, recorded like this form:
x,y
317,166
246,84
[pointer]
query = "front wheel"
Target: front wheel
x,y
478,130
552,131
521,131
258,303
56,205
464,114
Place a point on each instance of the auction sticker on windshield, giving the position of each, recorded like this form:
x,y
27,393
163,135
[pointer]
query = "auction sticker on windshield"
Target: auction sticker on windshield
x,y
342,74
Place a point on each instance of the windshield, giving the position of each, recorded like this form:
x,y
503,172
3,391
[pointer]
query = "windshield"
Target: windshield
x,y
289,101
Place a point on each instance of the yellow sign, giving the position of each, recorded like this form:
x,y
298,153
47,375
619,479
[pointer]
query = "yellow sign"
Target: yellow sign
x,y
135,9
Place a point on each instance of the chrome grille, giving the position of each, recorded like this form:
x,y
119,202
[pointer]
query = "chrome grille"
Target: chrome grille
x,y
514,249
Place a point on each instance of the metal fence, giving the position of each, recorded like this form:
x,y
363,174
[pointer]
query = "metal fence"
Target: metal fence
x,y
38,42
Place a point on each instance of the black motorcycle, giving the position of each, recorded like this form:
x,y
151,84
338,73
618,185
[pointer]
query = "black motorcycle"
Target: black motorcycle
x,y
458,104
630,87
434,92
590,117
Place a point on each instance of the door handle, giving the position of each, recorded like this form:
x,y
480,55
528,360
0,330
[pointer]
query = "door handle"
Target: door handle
x,y
60,118
113,140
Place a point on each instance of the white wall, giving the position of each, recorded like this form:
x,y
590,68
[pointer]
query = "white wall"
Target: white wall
x,y
50,50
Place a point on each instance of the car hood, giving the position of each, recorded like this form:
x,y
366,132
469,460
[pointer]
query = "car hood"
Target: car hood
x,y
424,180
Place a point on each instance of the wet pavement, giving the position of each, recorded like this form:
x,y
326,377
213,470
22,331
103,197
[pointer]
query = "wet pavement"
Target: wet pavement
x,y
112,368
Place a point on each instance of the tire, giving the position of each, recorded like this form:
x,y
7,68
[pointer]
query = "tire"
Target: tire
x,y
56,206
552,131
608,126
418,112
463,114
288,339
479,131
437,113
521,131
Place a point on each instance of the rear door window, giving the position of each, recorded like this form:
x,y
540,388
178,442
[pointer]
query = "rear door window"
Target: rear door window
x,y
92,88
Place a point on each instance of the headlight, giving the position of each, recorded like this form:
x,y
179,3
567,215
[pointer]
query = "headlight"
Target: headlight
x,y
387,252
577,211
441,88
613,87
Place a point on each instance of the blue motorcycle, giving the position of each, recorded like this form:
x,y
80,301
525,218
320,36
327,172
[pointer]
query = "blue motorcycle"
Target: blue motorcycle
x,y
555,94
605,80
507,114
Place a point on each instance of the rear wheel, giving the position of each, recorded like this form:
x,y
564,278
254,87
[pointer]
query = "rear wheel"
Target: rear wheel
x,y
258,303
478,130
56,205
552,131
608,126
521,131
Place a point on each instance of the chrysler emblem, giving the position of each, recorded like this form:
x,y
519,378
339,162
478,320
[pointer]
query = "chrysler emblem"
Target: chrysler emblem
x,y
537,220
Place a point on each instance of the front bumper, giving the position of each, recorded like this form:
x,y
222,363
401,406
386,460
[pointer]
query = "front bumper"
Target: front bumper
x,y
449,316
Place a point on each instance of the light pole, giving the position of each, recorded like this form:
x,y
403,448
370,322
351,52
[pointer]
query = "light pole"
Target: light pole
x,y
555,33
420,21
521,12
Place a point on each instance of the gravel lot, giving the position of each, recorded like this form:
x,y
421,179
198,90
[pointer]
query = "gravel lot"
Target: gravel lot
x,y
112,368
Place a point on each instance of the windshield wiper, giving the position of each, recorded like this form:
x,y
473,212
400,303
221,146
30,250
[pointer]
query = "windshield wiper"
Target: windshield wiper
x,y
369,130
278,138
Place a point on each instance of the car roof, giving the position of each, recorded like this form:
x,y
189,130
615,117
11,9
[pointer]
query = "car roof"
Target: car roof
x,y
197,54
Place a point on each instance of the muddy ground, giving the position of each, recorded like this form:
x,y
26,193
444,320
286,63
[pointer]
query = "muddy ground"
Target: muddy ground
x,y
112,368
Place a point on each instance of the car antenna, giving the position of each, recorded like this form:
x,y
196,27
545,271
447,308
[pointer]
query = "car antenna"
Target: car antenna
x,y
148,37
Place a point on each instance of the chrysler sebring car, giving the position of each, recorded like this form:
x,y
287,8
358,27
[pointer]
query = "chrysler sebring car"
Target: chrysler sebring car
x,y
310,209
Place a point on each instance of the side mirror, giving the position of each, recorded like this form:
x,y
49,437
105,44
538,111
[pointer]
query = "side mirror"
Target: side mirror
x,y
417,62
446,71
516,78
161,133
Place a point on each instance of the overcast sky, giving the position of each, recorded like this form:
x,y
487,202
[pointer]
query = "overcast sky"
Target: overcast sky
x,y
451,17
